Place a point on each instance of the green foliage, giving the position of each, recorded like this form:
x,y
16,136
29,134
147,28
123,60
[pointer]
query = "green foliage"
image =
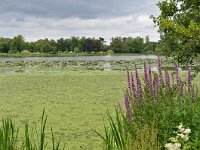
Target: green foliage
x,y
8,135
17,43
110,52
116,44
179,25
9,139
4,45
83,45
127,45
154,107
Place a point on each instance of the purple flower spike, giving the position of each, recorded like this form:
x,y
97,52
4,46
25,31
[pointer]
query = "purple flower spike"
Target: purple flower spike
x,y
181,88
156,81
150,77
128,111
138,83
154,94
129,81
177,74
133,88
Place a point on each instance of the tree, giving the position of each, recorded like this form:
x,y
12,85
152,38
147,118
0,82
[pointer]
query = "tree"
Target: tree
x,y
179,26
148,46
17,43
4,45
32,47
61,45
137,45
89,45
116,44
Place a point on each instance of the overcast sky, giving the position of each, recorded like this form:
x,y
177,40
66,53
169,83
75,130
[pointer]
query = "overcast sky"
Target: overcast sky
x,y
54,19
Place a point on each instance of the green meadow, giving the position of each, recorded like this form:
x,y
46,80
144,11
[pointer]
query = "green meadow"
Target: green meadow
x,y
75,102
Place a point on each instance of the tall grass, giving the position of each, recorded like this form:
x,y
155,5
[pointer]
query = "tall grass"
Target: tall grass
x,y
153,108
32,140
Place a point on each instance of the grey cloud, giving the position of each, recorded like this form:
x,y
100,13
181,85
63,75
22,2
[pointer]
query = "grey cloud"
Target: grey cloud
x,y
64,18
87,9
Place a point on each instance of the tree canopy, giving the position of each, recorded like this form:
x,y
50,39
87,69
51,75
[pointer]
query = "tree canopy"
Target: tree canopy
x,y
76,45
179,27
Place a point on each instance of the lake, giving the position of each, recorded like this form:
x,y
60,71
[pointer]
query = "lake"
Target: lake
x,y
80,58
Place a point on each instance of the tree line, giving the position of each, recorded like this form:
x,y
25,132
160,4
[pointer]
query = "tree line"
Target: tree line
x,y
77,45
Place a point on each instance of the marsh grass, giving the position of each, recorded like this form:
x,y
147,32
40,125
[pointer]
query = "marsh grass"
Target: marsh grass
x,y
32,140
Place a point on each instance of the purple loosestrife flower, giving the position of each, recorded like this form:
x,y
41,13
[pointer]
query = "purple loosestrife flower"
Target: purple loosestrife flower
x,y
177,74
181,88
156,80
133,88
150,77
128,110
129,81
159,70
167,80
138,83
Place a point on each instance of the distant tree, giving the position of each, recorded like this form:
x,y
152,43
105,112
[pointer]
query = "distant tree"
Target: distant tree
x,y
61,45
148,46
116,44
89,45
179,27
74,42
17,43
102,44
82,44
137,45
127,45
32,47
5,45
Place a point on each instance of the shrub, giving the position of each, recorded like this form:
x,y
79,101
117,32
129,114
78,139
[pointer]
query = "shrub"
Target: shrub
x,y
158,103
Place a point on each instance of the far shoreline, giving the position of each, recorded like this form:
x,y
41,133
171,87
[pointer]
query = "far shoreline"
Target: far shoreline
x,y
27,55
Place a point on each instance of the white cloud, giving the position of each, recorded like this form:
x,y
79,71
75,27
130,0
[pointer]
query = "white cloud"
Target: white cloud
x,y
34,26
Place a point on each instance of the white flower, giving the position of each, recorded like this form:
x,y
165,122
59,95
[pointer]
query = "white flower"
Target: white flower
x,y
169,146
181,130
173,139
187,131
180,126
185,137
181,135
175,146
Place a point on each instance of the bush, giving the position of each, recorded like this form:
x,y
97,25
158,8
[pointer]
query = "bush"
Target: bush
x,y
25,52
153,107
110,52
